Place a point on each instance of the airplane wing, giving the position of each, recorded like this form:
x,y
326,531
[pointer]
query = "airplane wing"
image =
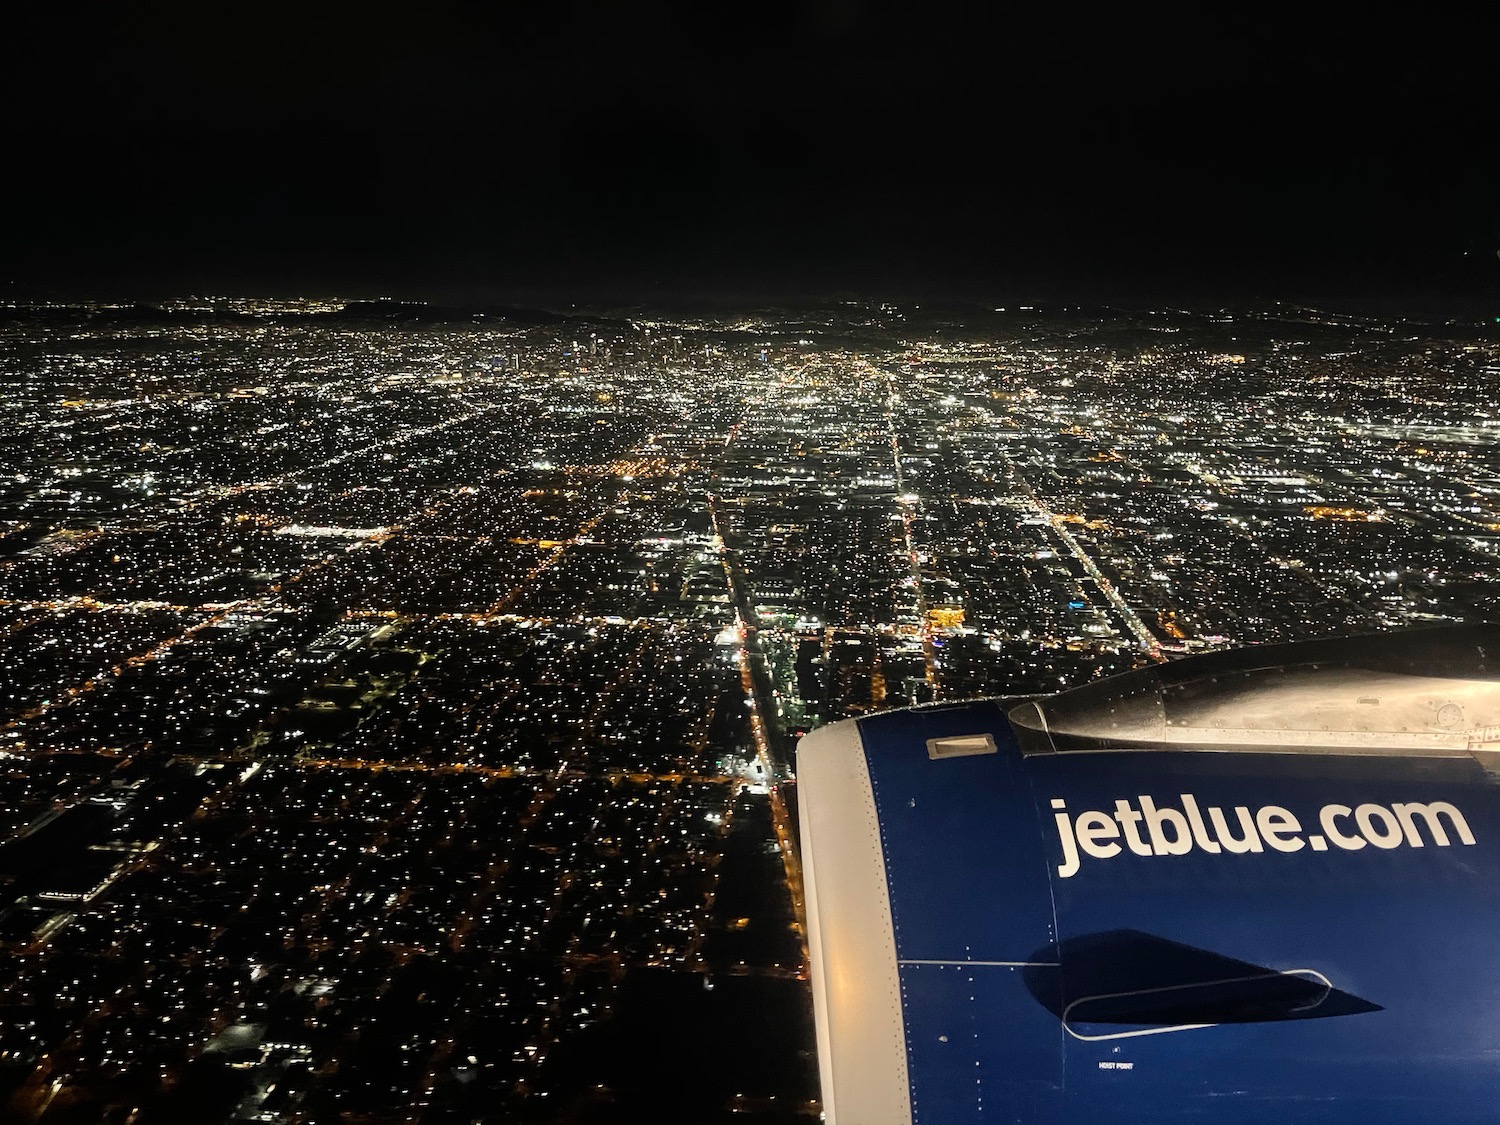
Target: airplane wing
x,y
1070,911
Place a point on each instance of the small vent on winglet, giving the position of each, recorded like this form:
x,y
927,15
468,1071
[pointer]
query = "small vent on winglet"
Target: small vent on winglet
x,y
960,746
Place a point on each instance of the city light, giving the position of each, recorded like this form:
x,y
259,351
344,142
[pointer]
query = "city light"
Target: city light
x,y
392,710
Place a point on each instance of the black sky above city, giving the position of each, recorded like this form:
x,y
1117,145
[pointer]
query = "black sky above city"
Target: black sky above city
x,y
648,152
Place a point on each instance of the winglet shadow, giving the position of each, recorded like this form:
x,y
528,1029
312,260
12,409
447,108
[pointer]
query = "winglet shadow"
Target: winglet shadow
x,y
1126,977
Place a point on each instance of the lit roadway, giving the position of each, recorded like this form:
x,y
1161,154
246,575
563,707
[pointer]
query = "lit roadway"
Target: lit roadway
x,y
767,759
929,654
1149,640
220,611
67,695
1132,619
790,861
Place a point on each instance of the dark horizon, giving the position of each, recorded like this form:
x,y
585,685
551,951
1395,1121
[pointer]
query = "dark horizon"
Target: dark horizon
x,y
837,147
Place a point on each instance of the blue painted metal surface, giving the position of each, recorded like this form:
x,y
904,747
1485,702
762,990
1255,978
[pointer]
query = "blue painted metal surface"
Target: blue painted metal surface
x,y
1353,983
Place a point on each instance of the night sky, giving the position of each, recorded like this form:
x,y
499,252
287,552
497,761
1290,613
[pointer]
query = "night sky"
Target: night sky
x,y
641,152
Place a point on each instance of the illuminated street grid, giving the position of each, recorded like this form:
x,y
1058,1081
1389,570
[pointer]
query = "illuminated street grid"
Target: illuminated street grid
x,y
397,704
